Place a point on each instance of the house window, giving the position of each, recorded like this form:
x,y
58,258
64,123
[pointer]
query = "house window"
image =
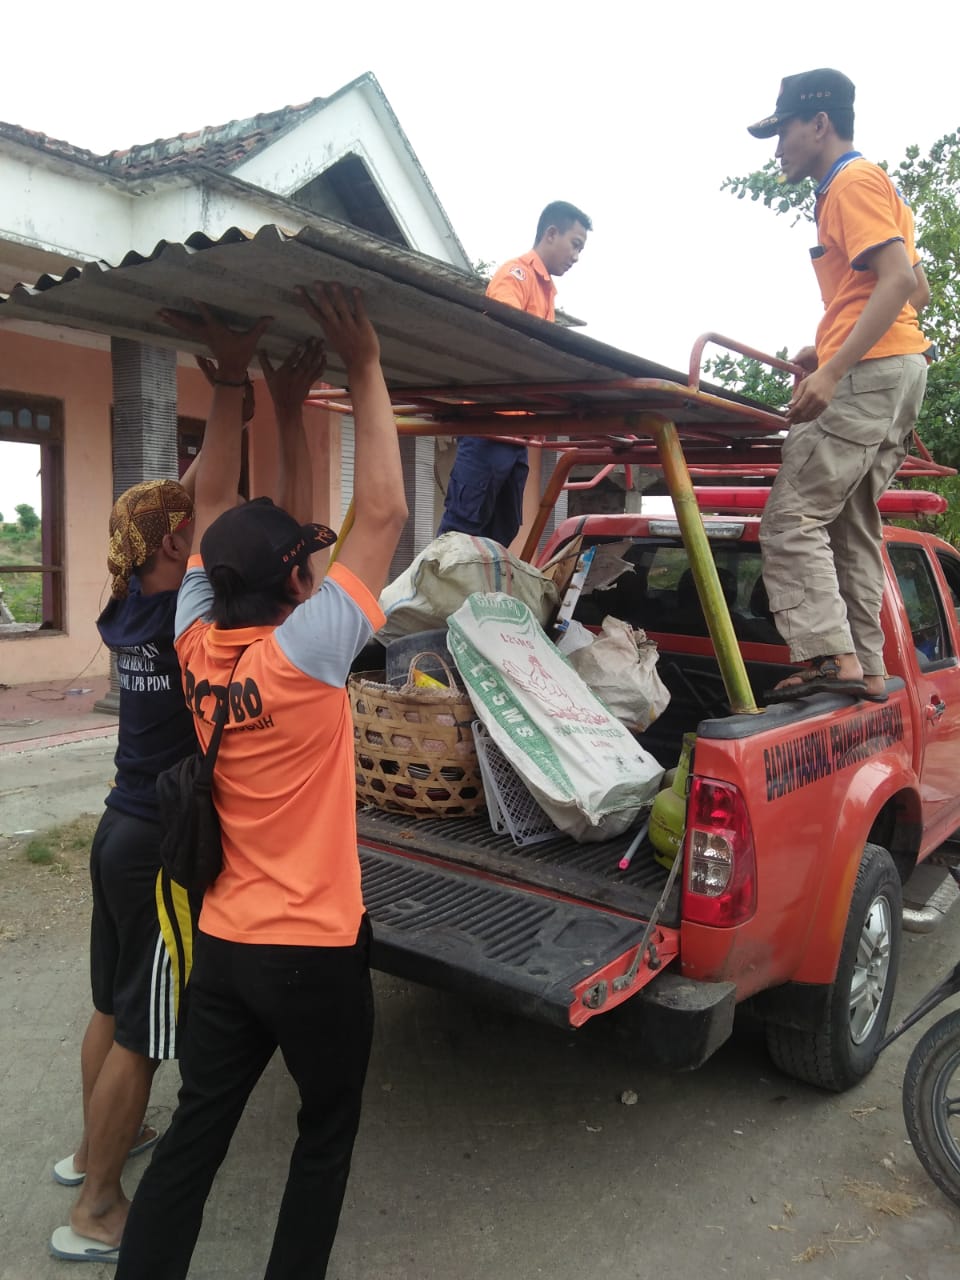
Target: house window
x,y
189,440
31,511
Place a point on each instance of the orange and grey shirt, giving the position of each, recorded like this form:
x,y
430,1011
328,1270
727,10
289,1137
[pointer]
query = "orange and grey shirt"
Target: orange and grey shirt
x,y
859,209
285,781
525,283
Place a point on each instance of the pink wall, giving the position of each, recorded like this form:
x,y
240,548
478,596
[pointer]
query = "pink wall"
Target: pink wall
x,y
323,443
81,378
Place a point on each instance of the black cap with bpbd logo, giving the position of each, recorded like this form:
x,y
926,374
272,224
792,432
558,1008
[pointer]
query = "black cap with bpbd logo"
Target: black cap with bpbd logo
x,y
261,543
809,91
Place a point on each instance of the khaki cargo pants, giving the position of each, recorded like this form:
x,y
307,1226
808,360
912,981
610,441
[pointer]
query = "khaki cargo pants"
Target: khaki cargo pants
x,y
821,531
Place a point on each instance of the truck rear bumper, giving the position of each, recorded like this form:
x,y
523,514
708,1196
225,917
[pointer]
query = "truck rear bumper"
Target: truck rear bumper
x,y
680,1022
540,955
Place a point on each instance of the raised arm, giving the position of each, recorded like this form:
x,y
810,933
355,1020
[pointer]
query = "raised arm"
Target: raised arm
x,y
209,371
380,507
218,465
289,385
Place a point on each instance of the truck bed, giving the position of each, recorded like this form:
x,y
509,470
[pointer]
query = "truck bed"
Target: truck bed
x,y
585,872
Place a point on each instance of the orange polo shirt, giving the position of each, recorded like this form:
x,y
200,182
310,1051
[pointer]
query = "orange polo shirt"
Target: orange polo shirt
x,y
525,283
284,781
860,210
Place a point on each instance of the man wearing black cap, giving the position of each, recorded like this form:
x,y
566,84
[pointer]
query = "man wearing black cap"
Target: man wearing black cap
x,y
282,955
852,415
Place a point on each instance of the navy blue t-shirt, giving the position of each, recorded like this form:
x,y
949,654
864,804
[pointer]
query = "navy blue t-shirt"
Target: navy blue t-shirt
x,y
155,728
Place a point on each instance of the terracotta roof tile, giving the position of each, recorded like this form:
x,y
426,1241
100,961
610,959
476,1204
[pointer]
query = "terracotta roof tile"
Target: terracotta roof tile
x,y
217,146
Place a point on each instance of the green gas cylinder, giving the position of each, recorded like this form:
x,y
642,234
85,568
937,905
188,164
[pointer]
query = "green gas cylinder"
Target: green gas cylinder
x,y
668,815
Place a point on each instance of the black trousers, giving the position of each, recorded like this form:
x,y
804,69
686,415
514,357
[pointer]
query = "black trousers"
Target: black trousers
x,y
243,1002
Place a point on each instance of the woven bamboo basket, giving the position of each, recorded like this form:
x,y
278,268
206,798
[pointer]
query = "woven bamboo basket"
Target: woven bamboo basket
x,y
414,746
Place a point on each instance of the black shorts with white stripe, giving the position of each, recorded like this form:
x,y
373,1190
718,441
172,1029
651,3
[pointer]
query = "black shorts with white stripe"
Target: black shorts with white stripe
x,y
141,936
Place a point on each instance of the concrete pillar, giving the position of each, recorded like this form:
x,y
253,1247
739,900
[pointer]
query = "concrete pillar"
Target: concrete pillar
x,y
144,432
144,413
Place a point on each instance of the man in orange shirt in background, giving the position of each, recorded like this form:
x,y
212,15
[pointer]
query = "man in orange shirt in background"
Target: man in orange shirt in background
x,y
852,416
485,491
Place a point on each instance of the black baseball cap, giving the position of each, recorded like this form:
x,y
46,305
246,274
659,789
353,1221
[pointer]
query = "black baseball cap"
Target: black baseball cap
x,y
261,543
808,91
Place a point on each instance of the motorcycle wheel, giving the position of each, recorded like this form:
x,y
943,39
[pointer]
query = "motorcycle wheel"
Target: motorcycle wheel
x,y
931,1103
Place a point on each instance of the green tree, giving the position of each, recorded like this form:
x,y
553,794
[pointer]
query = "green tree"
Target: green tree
x,y
947,525
752,378
931,185
27,518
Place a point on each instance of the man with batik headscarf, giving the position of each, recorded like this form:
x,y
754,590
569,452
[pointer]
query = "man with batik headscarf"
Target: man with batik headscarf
x,y
141,932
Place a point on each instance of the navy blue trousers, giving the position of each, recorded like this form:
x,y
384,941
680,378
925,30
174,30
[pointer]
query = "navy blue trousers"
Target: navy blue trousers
x,y
485,492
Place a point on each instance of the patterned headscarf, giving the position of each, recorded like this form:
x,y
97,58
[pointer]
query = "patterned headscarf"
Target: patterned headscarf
x,y
138,522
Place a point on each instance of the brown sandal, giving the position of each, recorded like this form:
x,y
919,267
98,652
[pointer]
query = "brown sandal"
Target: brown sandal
x,y
822,676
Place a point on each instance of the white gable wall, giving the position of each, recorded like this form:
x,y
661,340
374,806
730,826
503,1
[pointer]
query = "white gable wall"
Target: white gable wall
x,y
353,123
81,216
57,211
62,207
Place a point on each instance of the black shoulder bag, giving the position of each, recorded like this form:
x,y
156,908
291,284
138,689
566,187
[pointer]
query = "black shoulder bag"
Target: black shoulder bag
x,y
190,846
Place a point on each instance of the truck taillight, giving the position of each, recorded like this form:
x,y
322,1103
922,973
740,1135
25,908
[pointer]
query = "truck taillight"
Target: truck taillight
x,y
720,873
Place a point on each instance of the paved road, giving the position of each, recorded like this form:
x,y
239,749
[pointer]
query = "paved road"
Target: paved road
x,y
39,788
493,1149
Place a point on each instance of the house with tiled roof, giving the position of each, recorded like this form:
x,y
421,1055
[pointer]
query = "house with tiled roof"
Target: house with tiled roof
x,y
99,413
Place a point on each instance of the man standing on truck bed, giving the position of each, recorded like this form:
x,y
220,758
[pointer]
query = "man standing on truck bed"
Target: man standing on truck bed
x,y
485,490
852,415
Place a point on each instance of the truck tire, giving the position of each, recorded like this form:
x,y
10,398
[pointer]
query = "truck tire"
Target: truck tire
x,y
842,1048
931,1113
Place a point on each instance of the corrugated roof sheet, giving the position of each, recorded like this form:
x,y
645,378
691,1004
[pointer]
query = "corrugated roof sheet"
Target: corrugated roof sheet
x,y
436,327
457,358
247,274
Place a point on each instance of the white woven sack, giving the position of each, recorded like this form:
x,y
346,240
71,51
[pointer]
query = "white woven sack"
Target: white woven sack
x,y
448,570
620,666
585,769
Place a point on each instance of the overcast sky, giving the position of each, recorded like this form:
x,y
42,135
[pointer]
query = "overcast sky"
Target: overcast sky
x,y
634,112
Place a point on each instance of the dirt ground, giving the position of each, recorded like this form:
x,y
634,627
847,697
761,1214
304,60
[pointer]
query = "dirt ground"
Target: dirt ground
x,y
44,880
492,1148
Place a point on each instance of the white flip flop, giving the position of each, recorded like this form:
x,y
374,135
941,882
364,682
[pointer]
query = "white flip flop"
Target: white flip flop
x,y
68,1175
66,1244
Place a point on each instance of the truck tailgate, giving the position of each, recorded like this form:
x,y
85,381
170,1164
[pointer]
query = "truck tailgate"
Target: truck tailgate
x,y
533,952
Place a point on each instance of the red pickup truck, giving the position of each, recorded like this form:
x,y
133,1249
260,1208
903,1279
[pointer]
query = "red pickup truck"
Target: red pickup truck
x,y
803,821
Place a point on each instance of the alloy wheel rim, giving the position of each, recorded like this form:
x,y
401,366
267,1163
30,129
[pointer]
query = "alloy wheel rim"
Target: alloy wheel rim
x,y
871,969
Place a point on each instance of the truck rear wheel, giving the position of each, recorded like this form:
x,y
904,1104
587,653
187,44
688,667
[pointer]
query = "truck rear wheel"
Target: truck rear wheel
x,y
842,1048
